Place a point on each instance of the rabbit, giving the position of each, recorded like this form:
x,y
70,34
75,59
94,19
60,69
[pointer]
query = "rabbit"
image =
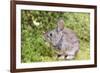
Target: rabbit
x,y
64,40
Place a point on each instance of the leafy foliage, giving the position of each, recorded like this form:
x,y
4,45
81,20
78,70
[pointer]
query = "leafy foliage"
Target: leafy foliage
x,y
34,23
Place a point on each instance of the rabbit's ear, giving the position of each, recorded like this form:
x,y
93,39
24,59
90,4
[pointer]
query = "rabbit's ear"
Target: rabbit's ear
x,y
60,24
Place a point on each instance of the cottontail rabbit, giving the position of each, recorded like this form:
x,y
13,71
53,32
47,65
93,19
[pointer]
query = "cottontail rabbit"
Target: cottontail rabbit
x,y
64,40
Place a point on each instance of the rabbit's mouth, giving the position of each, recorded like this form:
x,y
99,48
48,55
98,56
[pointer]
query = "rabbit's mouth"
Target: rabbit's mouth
x,y
56,47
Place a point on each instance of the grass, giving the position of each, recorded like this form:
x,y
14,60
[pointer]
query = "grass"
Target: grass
x,y
84,52
34,23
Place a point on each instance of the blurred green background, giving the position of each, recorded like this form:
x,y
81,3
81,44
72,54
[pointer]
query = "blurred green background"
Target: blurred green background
x,y
35,23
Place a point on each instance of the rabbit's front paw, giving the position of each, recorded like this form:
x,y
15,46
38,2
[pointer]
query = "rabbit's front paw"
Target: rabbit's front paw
x,y
61,57
69,57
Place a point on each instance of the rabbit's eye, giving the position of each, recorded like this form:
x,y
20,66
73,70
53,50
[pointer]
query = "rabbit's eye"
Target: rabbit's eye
x,y
50,34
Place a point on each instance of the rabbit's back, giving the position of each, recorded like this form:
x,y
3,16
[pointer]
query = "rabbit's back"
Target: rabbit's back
x,y
70,35
70,42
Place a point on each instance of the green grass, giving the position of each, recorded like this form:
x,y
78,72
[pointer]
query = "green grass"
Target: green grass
x,y
84,52
34,23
